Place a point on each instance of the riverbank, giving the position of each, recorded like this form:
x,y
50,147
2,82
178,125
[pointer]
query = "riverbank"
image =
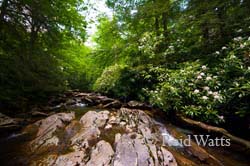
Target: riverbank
x,y
88,129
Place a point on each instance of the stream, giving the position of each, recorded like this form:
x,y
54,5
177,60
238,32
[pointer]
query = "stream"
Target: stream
x,y
81,134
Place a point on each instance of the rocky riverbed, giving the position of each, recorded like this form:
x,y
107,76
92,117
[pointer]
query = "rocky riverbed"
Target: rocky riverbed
x,y
85,129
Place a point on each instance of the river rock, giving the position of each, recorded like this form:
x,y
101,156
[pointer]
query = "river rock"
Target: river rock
x,y
131,149
90,124
139,147
92,118
138,105
38,114
99,139
113,104
70,102
101,154
47,128
6,120
134,117
71,159
7,123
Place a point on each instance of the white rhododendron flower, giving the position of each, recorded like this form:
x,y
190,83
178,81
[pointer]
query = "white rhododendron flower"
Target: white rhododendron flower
x,y
171,47
204,67
240,30
238,38
208,78
202,74
215,77
210,92
221,117
206,88
216,97
204,97
215,93
196,91
199,77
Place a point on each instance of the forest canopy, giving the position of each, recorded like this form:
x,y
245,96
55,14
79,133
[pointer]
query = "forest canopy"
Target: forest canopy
x,y
183,56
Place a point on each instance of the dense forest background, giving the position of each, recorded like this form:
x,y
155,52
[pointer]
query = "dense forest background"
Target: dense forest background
x,y
190,57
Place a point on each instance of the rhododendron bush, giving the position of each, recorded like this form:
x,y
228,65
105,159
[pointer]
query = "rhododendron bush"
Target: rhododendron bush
x,y
207,91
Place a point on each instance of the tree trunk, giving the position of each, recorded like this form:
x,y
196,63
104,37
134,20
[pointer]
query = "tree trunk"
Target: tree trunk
x,y
157,26
3,10
205,36
164,24
215,130
3,13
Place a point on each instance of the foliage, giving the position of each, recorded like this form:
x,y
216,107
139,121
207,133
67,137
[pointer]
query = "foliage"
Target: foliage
x,y
35,38
190,89
119,81
235,75
207,93
108,79
184,56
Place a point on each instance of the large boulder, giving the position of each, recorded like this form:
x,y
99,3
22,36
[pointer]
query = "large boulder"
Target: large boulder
x,y
101,154
93,118
46,131
142,143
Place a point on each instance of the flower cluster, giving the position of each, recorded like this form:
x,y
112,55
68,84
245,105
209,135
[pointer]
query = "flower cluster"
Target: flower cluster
x,y
205,92
198,91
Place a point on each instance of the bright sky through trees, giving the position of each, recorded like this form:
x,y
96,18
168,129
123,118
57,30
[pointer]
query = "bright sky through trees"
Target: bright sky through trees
x,y
98,7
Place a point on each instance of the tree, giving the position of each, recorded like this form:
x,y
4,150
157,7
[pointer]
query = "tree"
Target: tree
x,y
32,35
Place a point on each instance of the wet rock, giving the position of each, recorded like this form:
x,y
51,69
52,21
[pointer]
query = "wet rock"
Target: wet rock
x,y
88,141
183,160
71,159
166,157
8,123
47,128
134,117
85,138
88,100
113,120
101,154
93,99
138,105
81,94
70,102
92,118
72,129
131,149
38,114
49,160
125,152
113,104
5,120
146,132
90,132
117,137
128,129
103,99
